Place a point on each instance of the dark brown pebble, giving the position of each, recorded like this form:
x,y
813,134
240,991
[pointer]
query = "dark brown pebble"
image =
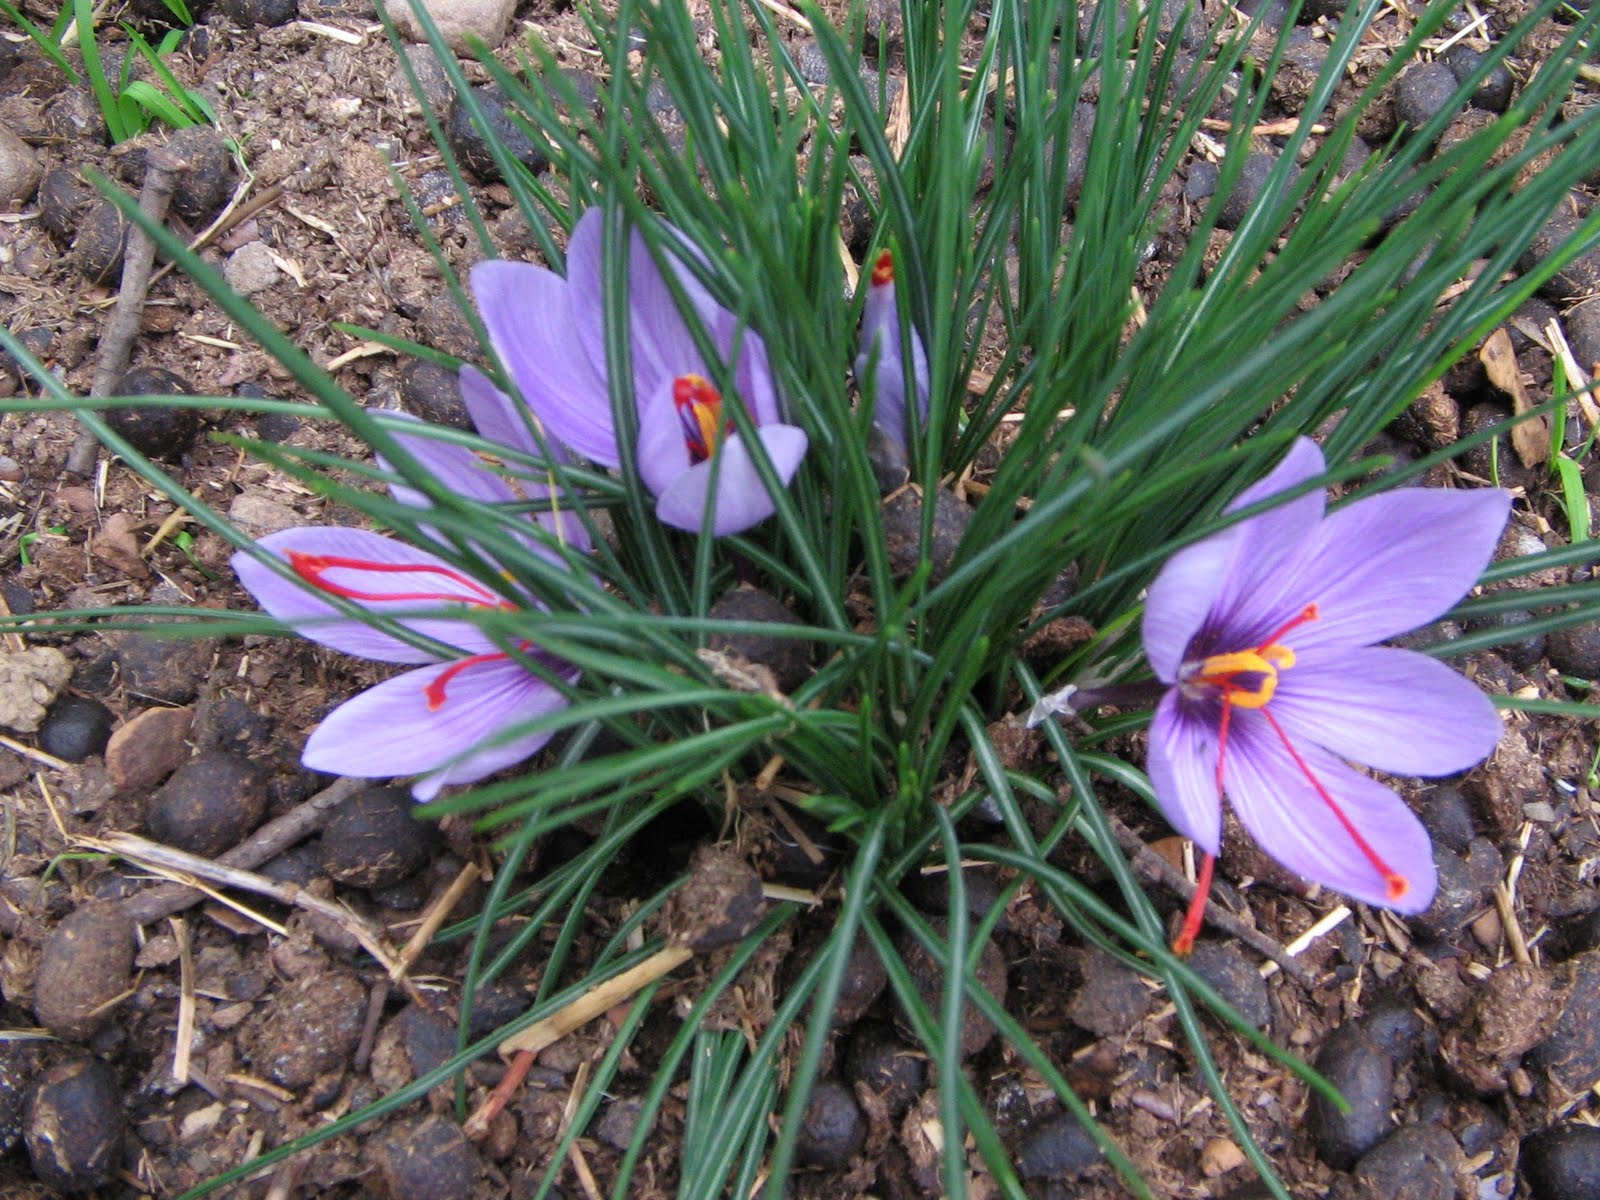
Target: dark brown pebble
x,y
76,727
74,1126
433,392
1224,966
471,147
877,1059
833,1129
1112,998
1523,653
863,982
101,237
309,1028
891,466
1581,324
1494,93
210,804
1575,650
19,1067
167,670
620,1121
1416,1162
86,963
1493,458
207,178
63,196
375,838
1422,92
155,430
74,115
902,528
259,12
928,974
429,1160
1353,1061
1249,190
721,902
1570,1056
789,659
1060,1149
1465,881
1581,276
429,1039
1447,816
1562,1163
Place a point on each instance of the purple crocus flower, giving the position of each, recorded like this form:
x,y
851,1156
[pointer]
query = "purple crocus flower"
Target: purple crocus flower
x,y
1266,637
435,721
882,353
549,332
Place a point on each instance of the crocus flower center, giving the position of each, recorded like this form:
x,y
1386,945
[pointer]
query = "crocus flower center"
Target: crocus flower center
x,y
1249,679
699,408
883,270
315,568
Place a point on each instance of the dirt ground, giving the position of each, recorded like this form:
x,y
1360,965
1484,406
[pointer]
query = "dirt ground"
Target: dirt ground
x,y
1474,1026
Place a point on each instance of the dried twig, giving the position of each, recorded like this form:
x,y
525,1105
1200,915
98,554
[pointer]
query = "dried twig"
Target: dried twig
x,y
184,1034
436,917
116,340
1150,864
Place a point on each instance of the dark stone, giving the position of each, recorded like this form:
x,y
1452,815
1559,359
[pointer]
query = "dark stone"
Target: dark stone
x,y
76,727
1575,650
86,963
833,1129
1061,1148
1562,1163
62,199
1112,998
1353,1061
19,1067
1415,1162
1422,92
1582,326
1465,881
811,61
1581,276
721,902
428,1038
374,838
155,430
1523,653
74,115
211,803
433,392
1224,966
74,1126
877,1059
309,1028
259,12
902,529
472,148
408,895
929,977
429,1160
298,864
207,178
231,724
863,982
1396,1027
1447,816
1202,181
1249,190
102,235
1494,457
788,658
1570,1056
619,1122
1494,93
277,427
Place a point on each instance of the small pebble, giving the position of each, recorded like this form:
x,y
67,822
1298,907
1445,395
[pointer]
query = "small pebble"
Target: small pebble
x,y
1562,1162
259,12
155,430
878,1059
1523,653
720,903
1112,998
789,659
1224,966
211,803
1219,1156
1494,93
1575,650
863,982
1570,1056
1422,92
76,727
1447,816
1415,1162
928,974
19,1067
1249,190
251,269
1357,1066
86,963
1580,277
74,115
1465,882
309,1028
101,236
433,392
902,528
429,1160
1061,1149
375,838
74,1126
619,1122
471,147
20,169
206,178
1582,327
148,748
833,1129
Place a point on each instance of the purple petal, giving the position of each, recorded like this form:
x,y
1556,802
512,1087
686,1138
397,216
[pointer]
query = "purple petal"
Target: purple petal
x,y
662,453
389,730
1231,586
320,622
741,497
881,352
1297,826
1183,770
1392,562
531,321
456,467
1395,710
752,372
494,414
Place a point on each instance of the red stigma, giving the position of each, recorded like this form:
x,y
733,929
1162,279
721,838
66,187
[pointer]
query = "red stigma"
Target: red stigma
x,y
883,270
314,568
435,689
699,408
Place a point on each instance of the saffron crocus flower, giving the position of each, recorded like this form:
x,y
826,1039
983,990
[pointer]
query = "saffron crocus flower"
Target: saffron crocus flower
x,y
435,721
549,332
883,355
1266,637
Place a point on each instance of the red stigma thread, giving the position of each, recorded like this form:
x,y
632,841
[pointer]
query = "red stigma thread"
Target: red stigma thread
x,y
314,569
883,270
699,408
435,689
1184,942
